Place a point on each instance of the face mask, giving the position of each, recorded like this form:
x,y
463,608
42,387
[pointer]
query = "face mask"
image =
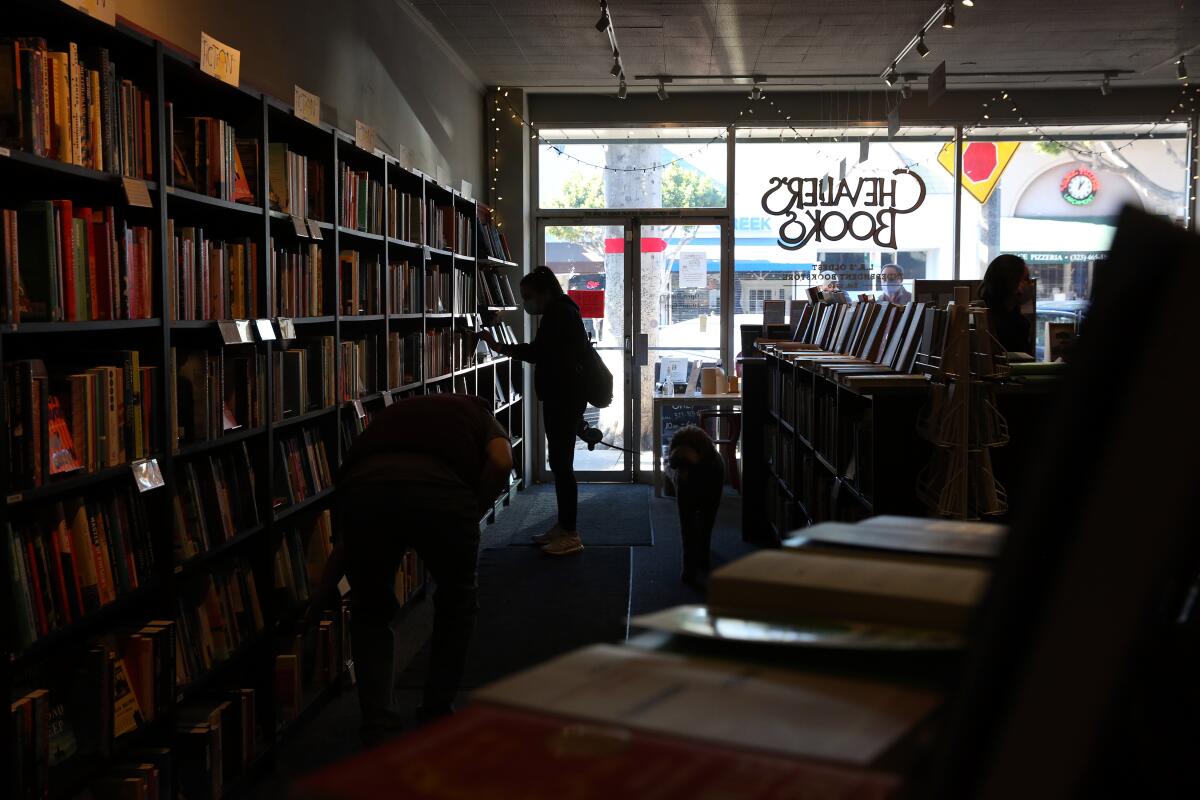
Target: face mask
x,y
891,285
532,307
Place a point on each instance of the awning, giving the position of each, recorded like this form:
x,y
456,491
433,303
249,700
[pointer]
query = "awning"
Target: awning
x,y
1055,241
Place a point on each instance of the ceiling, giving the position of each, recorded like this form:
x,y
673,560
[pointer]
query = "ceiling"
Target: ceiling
x,y
554,44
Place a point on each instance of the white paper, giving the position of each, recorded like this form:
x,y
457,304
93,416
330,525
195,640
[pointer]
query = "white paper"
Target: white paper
x,y
693,270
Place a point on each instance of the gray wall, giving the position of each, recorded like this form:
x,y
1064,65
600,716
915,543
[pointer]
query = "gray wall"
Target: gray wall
x,y
374,60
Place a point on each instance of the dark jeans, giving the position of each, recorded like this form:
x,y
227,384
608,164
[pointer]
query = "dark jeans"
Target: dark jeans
x,y
379,522
698,490
561,419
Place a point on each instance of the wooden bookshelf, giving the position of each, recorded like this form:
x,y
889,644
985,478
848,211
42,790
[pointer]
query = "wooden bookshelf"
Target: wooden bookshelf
x,y
167,76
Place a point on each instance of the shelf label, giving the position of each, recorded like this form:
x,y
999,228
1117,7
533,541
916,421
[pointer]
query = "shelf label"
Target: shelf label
x,y
229,332
266,333
388,399
314,230
14,498
286,329
300,228
103,10
358,409
306,105
364,136
146,474
137,193
219,60
243,329
5,152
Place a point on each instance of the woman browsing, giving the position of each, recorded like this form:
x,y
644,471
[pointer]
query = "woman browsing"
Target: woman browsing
x,y
557,353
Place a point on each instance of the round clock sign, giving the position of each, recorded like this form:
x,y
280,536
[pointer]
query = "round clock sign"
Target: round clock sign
x,y
1079,187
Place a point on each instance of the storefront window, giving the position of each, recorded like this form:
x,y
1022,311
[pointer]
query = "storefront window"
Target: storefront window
x,y
592,169
1055,201
814,212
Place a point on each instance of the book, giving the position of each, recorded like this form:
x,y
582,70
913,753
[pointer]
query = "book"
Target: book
x,y
362,200
209,278
487,750
298,275
215,501
301,467
725,703
796,585
219,613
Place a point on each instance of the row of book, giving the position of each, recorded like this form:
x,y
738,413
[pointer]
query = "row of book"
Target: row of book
x,y
72,106
502,332
296,183
439,288
309,662
359,368
300,559
362,201
120,683
447,350
209,278
302,467
495,289
75,556
404,288
210,159
404,357
87,414
214,499
439,225
217,391
404,217
492,243
304,377
219,612
464,225
73,263
299,279
464,292
360,289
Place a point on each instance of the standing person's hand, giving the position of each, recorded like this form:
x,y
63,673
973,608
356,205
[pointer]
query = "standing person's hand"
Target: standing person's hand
x,y
490,340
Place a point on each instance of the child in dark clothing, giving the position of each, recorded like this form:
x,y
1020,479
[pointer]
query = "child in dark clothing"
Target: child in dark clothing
x,y
699,483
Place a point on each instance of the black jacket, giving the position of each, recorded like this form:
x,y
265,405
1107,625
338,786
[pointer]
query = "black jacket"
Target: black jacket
x,y
557,352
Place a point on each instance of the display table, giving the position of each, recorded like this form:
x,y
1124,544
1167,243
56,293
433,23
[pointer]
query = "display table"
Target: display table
x,y
718,400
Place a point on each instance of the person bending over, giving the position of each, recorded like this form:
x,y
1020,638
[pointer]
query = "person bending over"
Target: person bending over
x,y
557,353
420,476
699,484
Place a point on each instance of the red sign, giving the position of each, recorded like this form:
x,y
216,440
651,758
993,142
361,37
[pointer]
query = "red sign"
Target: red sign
x,y
591,303
650,244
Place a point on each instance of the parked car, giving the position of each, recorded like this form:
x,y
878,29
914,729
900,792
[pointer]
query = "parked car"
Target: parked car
x,y
1056,311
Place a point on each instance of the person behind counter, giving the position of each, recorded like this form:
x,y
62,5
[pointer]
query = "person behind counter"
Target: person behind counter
x,y
1006,287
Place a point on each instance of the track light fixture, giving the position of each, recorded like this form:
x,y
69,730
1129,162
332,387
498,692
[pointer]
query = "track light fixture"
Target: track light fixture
x,y
969,3
662,90
622,90
948,16
891,76
1181,72
603,23
1105,87
756,93
616,68
922,48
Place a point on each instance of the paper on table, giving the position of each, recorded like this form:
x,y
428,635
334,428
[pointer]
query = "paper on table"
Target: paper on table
x,y
744,705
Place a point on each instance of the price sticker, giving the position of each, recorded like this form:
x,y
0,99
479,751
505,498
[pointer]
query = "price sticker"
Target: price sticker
x,y
146,474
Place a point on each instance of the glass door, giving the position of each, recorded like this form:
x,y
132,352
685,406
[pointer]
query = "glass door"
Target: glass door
x,y
681,320
589,260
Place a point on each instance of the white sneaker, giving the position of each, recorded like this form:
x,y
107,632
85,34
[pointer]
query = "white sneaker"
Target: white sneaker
x,y
564,545
555,532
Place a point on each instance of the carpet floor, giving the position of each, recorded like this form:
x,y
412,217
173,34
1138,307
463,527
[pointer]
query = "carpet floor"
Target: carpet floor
x,y
610,515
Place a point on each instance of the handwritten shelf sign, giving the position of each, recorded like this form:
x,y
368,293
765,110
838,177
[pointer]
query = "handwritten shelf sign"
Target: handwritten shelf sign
x,y
306,105
220,60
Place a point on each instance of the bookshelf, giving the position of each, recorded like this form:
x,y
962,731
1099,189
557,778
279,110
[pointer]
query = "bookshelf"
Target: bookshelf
x,y
277,299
